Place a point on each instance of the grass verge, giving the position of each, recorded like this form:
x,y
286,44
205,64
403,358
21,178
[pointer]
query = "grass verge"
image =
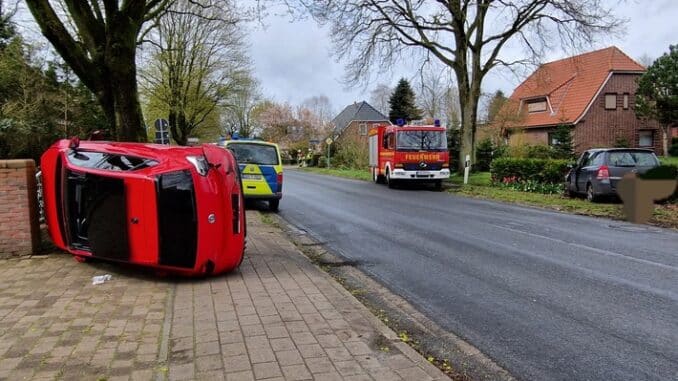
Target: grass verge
x,y
478,186
357,174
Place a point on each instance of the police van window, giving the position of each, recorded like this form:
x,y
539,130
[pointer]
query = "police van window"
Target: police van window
x,y
250,153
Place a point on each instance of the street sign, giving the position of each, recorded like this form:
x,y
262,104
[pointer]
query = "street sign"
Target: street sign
x,y
161,131
162,137
328,141
161,125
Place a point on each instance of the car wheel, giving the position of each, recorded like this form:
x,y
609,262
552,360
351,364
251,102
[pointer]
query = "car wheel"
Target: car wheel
x,y
273,205
590,194
568,191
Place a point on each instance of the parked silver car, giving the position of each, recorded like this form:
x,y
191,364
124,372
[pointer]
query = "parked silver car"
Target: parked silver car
x,y
598,171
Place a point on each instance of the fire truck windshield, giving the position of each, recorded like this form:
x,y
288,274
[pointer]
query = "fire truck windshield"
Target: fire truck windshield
x,y
421,140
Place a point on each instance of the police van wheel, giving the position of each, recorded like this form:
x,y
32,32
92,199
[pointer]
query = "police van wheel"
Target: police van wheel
x,y
273,205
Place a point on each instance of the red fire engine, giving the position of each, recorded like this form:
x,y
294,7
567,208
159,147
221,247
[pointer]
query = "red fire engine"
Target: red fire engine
x,y
408,153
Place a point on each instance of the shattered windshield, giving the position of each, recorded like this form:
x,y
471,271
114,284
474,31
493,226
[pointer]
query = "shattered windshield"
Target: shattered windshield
x,y
108,161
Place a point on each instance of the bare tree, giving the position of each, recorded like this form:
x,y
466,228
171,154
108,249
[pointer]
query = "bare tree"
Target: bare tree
x,y
645,60
98,39
321,108
240,108
196,60
468,36
433,86
379,97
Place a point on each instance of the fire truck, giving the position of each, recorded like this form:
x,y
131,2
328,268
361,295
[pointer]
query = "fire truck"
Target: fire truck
x,y
408,153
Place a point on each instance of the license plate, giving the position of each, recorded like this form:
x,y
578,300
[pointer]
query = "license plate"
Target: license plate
x,y
246,176
421,173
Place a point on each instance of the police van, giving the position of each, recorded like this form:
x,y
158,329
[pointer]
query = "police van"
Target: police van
x,y
261,169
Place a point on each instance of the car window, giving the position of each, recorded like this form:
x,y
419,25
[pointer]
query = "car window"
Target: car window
x,y
598,159
632,159
589,159
108,161
247,153
583,159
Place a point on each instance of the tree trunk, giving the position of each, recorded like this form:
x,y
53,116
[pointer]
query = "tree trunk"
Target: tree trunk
x,y
468,126
122,78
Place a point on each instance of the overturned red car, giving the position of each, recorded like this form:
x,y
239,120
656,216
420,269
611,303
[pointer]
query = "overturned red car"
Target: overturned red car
x,y
176,209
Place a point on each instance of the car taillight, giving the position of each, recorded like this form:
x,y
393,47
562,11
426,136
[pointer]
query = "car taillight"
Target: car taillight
x,y
603,173
280,181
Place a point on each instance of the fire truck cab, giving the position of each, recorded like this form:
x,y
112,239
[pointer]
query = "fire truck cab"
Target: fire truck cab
x,y
408,153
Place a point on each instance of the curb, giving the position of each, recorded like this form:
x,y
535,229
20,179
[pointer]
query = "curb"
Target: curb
x,y
485,367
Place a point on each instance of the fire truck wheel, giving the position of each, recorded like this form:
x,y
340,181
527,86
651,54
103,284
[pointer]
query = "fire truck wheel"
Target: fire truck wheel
x,y
376,177
438,185
390,182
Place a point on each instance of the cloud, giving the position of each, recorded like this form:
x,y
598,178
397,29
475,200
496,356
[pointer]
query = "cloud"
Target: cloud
x,y
293,60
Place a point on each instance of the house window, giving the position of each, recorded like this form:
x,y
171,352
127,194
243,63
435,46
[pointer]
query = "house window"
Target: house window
x,y
626,101
537,105
645,138
363,128
610,101
552,139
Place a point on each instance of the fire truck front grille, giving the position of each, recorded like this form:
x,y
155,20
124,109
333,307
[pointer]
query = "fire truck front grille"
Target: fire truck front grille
x,y
419,167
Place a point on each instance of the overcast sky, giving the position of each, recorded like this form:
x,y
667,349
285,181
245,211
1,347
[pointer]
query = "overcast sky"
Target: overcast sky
x,y
293,60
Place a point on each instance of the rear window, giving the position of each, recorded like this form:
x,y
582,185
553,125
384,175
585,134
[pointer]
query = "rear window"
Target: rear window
x,y
633,159
247,153
108,161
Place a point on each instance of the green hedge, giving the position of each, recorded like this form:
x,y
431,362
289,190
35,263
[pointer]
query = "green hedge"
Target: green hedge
x,y
547,171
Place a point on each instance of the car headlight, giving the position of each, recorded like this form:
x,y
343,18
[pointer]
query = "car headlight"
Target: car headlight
x,y
200,163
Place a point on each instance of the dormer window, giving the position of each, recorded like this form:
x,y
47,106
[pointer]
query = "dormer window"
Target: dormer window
x,y
536,105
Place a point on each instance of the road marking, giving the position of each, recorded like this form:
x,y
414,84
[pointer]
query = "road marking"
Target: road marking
x,y
601,251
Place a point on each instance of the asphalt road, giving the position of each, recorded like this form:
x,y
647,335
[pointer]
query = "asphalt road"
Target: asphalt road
x,y
548,296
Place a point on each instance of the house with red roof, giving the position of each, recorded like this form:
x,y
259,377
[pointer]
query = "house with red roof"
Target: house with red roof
x,y
593,92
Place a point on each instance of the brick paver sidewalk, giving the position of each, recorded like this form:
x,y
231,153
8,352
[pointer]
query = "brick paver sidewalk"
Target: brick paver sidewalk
x,y
277,318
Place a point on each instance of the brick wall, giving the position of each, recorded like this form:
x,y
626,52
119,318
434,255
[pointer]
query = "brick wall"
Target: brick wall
x,y
602,128
19,229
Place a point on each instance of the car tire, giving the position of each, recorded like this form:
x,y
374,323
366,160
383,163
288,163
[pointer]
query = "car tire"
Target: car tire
x,y
568,191
273,205
591,195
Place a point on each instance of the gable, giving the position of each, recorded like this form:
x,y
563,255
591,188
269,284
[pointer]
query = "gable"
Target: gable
x,y
569,86
361,111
